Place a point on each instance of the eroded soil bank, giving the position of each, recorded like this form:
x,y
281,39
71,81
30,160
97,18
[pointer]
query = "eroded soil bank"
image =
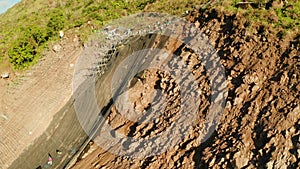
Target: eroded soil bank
x,y
259,126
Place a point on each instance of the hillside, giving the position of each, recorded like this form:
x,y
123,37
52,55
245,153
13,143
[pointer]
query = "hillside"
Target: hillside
x,y
256,45
28,27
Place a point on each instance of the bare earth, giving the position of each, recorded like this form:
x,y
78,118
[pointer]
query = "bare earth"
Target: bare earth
x,y
260,126
29,103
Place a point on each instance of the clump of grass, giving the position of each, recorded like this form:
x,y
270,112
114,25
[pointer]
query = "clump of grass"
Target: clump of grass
x,y
261,12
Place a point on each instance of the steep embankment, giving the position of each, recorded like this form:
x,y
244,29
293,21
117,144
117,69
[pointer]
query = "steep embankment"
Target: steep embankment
x,y
259,126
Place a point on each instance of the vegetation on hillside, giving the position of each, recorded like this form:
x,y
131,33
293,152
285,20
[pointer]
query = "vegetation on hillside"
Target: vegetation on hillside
x,y
28,27
277,14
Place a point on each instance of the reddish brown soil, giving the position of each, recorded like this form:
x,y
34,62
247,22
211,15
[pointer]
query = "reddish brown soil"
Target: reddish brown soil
x,y
260,123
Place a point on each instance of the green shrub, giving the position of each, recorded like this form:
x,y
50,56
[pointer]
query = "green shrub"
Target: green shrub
x,y
39,35
56,22
24,51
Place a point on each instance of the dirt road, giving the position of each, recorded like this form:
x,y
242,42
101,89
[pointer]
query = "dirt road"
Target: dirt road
x,y
29,104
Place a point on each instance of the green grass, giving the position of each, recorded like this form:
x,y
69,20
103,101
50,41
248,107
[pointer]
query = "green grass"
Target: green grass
x,y
29,27
258,12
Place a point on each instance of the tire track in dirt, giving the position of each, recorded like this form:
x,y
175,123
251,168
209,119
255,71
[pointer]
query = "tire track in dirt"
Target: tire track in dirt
x,y
31,104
